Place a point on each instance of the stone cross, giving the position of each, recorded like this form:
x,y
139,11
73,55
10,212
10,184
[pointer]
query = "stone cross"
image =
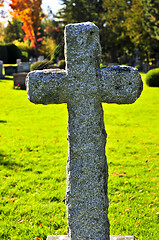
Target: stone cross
x,y
84,86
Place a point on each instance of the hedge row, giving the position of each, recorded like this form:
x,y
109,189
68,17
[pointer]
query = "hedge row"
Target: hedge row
x,y
9,53
40,65
46,65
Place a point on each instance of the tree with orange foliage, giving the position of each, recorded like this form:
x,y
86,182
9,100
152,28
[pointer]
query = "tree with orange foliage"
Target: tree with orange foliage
x,y
1,3
30,13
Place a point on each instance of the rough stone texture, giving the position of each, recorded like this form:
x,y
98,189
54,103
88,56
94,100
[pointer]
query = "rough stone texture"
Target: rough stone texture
x,y
65,237
83,86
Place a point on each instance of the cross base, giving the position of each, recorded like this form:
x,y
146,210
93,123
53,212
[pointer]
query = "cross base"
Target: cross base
x,y
65,237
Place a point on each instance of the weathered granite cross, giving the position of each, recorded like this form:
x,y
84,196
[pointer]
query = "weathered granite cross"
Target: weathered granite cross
x,y
84,86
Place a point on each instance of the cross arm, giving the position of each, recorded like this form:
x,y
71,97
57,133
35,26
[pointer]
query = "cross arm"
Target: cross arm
x,y
46,86
120,84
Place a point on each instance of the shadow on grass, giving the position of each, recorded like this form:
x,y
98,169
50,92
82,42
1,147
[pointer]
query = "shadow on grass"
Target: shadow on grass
x,y
3,121
23,89
5,160
6,78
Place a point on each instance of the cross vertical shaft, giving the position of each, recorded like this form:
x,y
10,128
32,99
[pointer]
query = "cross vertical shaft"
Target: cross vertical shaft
x,y
87,175
87,202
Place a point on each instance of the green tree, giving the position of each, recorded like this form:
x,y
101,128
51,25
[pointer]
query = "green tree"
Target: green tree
x,y
13,31
126,20
119,46
52,30
151,13
125,25
53,36
135,21
75,11
2,33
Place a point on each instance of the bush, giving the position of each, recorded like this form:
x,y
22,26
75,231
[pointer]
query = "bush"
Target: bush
x,y
24,48
40,65
58,53
61,64
13,52
3,53
9,53
152,78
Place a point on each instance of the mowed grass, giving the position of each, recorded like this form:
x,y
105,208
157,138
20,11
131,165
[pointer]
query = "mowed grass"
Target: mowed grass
x,y
33,157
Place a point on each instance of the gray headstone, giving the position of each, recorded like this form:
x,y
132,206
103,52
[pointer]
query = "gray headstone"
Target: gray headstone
x,y
1,70
10,70
41,58
83,86
23,67
18,61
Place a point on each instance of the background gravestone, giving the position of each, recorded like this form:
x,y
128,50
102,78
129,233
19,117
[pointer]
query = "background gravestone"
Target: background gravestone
x,y
1,70
10,70
83,86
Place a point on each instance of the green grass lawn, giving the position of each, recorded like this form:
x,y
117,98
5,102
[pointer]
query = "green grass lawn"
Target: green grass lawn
x,y
33,156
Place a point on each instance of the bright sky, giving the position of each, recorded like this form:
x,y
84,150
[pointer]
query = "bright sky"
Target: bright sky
x,y
54,4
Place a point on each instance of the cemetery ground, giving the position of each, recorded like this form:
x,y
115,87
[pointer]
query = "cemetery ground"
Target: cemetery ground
x,y
33,156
